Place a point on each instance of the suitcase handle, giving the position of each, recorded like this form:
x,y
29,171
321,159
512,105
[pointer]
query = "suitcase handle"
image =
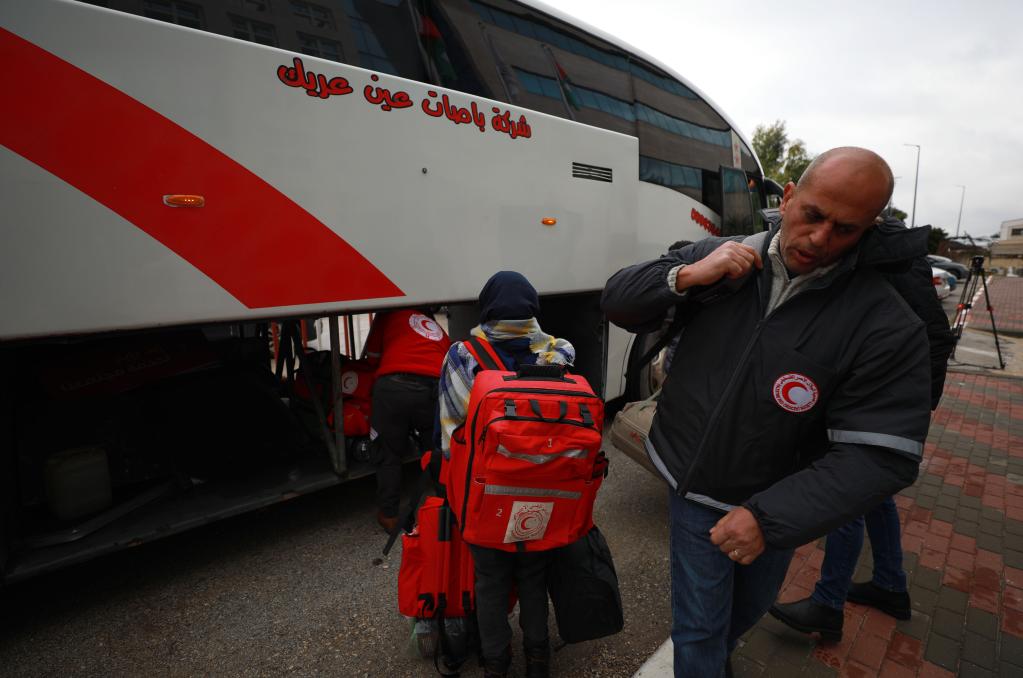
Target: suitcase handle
x,y
540,373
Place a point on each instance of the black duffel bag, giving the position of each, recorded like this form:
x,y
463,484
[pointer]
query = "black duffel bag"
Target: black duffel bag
x,y
583,586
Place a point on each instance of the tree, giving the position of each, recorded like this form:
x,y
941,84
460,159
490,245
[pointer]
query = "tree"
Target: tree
x,y
769,145
897,213
935,238
784,160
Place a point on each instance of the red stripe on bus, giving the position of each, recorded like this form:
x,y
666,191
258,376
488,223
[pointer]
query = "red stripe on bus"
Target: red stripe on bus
x,y
250,239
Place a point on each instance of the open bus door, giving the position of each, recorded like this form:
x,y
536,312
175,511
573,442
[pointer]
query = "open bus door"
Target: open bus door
x,y
737,214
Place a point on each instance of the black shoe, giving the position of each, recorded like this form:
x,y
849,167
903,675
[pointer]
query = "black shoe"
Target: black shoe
x,y
894,603
389,523
808,616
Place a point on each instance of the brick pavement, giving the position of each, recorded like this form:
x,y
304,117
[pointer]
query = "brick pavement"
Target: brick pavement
x,y
1007,300
963,544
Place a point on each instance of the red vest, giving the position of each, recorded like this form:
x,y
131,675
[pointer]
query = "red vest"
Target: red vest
x,y
407,341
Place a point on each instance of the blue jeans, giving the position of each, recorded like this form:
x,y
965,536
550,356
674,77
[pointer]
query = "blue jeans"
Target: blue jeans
x,y
714,600
842,550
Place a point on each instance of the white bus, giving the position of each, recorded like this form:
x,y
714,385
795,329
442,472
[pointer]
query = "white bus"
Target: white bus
x,y
181,178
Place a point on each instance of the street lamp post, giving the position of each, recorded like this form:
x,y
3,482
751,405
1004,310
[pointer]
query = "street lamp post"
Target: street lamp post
x,y
916,179
961,198
892,196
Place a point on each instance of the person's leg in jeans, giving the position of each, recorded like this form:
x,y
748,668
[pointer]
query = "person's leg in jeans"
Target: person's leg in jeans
x,y
886,543
495,572
701,591
841,551
754,590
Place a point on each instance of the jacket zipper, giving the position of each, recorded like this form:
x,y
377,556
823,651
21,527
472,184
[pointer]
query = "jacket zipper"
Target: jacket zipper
x,y
683,487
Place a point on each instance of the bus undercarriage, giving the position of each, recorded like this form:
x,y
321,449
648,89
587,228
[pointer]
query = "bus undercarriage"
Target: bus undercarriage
x,y
115,440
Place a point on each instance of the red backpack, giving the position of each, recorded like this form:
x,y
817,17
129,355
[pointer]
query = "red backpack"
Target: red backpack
x,y
526,465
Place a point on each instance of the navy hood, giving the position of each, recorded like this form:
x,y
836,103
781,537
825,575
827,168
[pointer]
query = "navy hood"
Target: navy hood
x,y
508,296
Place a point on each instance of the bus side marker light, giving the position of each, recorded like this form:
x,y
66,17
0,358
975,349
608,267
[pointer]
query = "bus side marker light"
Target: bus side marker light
x,y
548,221
178,200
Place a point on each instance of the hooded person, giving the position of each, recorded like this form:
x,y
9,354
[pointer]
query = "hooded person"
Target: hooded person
x,y
508,308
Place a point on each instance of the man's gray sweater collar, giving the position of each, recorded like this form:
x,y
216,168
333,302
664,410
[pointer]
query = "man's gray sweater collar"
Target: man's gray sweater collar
x,y
783,288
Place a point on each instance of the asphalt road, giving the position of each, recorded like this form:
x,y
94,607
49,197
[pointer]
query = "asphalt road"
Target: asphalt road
x,y
299,589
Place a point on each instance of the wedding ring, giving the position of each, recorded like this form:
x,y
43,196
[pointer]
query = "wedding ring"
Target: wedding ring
x,y
735,553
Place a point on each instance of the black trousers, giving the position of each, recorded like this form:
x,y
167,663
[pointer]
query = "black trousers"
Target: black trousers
x,y
496,571
401,403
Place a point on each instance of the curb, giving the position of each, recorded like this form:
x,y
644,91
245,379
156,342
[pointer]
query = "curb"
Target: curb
x,y
661,663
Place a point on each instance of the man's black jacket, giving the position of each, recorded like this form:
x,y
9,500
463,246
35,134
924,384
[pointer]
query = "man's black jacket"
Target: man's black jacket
x,y
808,416
913,280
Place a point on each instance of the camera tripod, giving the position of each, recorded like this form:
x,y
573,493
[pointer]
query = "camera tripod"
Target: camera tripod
x,y
974,277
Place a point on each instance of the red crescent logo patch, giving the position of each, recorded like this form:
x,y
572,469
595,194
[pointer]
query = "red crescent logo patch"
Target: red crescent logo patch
x,y
425,326
795,392
349,382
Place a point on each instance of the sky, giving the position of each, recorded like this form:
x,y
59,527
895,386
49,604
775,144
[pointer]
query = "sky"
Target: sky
x,y
947,75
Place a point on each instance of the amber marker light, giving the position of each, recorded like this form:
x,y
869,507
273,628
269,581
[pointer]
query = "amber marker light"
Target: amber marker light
x,y
182,200
548,221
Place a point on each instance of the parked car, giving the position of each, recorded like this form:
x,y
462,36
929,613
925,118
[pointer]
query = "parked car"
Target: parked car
x,y
944,263
940,280
950,277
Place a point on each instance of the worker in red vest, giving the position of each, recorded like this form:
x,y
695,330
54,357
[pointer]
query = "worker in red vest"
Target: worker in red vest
x,y
407,347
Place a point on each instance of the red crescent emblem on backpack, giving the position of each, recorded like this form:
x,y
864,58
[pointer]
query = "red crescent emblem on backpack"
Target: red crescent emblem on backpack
x,y
795,392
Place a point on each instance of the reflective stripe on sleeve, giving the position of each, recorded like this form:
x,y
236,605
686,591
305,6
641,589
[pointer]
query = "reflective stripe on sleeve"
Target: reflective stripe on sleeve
x,y
710,501
508,490
904,446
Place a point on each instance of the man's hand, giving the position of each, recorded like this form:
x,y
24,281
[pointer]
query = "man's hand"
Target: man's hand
x,y
730,260
738,536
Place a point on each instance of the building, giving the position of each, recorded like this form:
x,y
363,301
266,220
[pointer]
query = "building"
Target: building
x,y
1007,253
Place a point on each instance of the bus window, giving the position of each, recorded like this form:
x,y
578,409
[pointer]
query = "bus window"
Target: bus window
x,y
736,206
757,196
450,46
682,178
499,49
378,35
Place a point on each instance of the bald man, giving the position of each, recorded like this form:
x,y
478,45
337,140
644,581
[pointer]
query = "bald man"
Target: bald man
x,y
797,400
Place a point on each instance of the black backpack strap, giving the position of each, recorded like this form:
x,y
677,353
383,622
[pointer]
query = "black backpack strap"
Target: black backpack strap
x,y
484,353
683,313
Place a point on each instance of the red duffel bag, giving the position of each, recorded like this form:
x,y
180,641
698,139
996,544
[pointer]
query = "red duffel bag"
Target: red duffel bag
x,y
436,578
